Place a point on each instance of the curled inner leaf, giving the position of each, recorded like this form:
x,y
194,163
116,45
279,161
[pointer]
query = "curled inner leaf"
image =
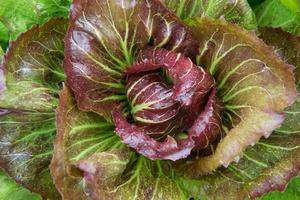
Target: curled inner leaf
x,y
172,109
207,126
152,105
136,138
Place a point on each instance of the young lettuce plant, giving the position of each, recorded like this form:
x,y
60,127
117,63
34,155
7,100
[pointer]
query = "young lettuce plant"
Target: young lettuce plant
x,y
152,107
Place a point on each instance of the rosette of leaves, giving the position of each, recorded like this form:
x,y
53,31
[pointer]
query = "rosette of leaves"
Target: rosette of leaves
x,y
152,107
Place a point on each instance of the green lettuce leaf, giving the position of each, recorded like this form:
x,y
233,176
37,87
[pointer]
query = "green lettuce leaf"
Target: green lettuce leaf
x,y
236,11
9,190
26,149
18,16
32,71
1,54
31,75
283,14
90,161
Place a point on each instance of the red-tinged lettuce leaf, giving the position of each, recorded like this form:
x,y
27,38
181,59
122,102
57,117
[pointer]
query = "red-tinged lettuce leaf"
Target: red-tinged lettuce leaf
x,y
191,84
91,162
191,87
79,134
31,72
137,138
105,36
109,175
26,149
101,171
285,44
288,47
236,11
152,105
291,191
207,127
268,166
254,83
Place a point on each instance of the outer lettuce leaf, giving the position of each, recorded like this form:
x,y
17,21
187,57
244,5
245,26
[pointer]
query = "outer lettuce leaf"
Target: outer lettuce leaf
x,y
79,135
91,162
32,68
26,149
143,182
254,83
268,166
236,11
31,74
285,44
19,16
288,47
279,14
104,37
9,190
